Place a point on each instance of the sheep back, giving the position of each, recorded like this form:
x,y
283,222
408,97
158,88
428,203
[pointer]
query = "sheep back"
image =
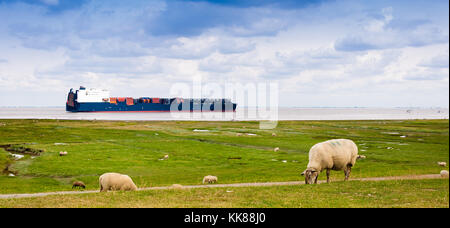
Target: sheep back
x,y
333,154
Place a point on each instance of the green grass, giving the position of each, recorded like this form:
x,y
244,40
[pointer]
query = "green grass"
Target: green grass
x,y
408,193
135,147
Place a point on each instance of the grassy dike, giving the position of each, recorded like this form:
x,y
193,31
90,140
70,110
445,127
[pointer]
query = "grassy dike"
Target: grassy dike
x,y
393,148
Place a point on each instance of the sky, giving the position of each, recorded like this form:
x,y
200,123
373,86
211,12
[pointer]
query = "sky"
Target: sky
x,y
321,53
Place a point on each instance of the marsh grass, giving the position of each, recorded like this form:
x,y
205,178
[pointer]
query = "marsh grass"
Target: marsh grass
x,y
136,147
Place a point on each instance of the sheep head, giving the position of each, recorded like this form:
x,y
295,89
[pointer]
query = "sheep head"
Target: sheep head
x,y
310,175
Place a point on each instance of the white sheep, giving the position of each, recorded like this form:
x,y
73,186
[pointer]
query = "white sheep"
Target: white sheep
x,y
273,134
116,181
442,164
177,186
444,173
209,179
276,149
336,154
165,157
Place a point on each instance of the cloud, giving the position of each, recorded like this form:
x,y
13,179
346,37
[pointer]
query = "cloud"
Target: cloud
x,y
117,48
439,61
49,7
201,47
314,49
355,43
386,31
192,18
426,75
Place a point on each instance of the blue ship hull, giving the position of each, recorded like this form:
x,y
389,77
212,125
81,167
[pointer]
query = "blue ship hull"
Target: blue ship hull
x,y
107,107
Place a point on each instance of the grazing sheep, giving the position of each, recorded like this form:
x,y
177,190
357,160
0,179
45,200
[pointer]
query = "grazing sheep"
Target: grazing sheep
x,y
116,181
273,134
336,154
444,173
164,158
276,149
442,163
177,186
78,184
238,134
62,153
209,179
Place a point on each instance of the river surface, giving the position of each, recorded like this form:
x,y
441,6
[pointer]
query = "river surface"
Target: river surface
x,y
281,113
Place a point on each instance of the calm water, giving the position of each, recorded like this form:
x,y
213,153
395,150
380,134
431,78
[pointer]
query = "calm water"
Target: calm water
x,y
240,114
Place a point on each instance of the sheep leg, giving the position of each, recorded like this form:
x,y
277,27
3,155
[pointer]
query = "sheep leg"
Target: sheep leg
x,y
315,181
328,175
347,171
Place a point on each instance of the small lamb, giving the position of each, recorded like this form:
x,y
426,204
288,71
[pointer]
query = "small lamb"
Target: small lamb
x,y
78,184
442,164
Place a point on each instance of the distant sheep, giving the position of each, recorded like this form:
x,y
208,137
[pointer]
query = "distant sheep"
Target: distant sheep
x,y
165,157
273,134
336,154
442,164
116,181
238,134
276,149
177,186
444,173
361,157
62,153
78,184
209,179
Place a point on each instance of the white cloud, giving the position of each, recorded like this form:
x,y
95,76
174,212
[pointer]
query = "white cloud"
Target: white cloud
x,y
438,61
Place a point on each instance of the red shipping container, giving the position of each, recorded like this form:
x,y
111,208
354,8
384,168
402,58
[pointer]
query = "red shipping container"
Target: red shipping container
x,y
130,101
113,100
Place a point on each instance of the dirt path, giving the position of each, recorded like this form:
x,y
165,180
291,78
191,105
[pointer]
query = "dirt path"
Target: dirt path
x,y
411,177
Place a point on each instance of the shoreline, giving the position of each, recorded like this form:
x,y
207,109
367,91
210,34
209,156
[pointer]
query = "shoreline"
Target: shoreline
x,y
241,114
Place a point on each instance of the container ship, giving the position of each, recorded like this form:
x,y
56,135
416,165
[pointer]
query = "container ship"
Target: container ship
x,y
98,100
